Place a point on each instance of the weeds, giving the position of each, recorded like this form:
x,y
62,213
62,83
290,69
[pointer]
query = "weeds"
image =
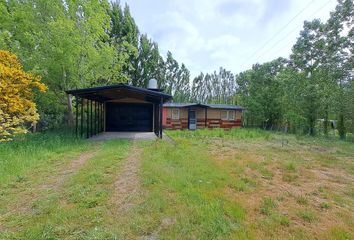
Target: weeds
x,y
307,215
186,184
237,133
267,206
324,205
302,200
28,152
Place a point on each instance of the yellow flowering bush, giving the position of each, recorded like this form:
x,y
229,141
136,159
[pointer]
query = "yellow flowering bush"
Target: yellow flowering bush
x,y
16,97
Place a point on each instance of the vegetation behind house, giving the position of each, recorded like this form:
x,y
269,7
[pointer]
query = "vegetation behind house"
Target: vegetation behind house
x,y
75,44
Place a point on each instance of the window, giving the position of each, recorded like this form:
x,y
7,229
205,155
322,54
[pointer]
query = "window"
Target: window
x,y
175,113
231,115
228,115
224,115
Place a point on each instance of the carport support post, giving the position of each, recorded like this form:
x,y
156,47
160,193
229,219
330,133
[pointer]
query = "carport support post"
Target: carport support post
x,y
91,118
82,118
98,116
95,122
103,120
160,118
77,116
102,116
87,118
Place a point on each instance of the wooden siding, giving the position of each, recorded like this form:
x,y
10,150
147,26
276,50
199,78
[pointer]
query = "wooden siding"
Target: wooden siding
x,y
213,119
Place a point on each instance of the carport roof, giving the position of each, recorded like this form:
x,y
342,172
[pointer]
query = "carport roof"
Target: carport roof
x,y
218,106
109,92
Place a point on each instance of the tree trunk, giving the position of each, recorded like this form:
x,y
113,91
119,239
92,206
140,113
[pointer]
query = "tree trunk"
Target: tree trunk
x,y
325,122
34,127
341,126
70,111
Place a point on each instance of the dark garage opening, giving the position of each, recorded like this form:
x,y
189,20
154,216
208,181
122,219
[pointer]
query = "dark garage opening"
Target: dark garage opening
x,y
117,108
122,117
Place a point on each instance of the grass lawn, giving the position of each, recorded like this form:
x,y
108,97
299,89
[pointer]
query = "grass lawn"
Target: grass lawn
x,y
210,184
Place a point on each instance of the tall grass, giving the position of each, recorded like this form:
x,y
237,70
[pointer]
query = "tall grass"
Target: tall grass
x,y
30,151
80,208
185,185
238,133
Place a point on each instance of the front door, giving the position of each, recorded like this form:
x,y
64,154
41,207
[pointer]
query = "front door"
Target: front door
x,y
192,120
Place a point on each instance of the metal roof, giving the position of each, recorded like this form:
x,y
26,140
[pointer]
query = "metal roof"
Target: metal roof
x,y
94,91
172,104
217,106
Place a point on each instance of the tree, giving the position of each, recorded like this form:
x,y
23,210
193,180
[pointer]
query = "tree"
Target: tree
x,y
148,62
259,91
181,86
125,51
66,42
16,97
130,34
77,44
199,89
308,55
171,68
340,61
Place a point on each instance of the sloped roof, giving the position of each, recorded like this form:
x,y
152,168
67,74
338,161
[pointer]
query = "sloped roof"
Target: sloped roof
x,y
104,93
216,106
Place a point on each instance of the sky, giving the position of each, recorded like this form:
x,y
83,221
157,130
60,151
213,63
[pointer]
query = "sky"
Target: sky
x,y
234,34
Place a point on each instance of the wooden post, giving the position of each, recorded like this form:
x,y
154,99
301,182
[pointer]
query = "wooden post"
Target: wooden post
x,y
97,114
82,118
101,117
95,119
91,118
160,118
77,116
87,118
98,117
206,117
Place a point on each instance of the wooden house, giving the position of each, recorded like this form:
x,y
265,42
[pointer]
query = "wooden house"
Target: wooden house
x,y
196,115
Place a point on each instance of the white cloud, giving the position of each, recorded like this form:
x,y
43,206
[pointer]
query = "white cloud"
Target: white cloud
x,y
223,41
207,34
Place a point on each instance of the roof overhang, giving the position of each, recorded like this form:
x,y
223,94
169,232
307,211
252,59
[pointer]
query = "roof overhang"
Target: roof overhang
x,y
120,91
203,105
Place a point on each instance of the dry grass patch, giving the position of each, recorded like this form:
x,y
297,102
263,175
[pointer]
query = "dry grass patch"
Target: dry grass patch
x,y
299,190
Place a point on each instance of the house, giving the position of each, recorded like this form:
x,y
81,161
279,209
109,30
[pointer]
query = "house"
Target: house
x,y
196,115
119,107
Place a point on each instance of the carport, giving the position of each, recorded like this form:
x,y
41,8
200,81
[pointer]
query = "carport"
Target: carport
x,y
118,108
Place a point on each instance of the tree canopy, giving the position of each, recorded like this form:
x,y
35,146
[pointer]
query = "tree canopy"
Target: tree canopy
x,y
77,44
17,107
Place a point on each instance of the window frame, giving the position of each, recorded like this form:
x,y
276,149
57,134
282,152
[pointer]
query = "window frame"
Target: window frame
x,y
234,115
178,114
228,115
